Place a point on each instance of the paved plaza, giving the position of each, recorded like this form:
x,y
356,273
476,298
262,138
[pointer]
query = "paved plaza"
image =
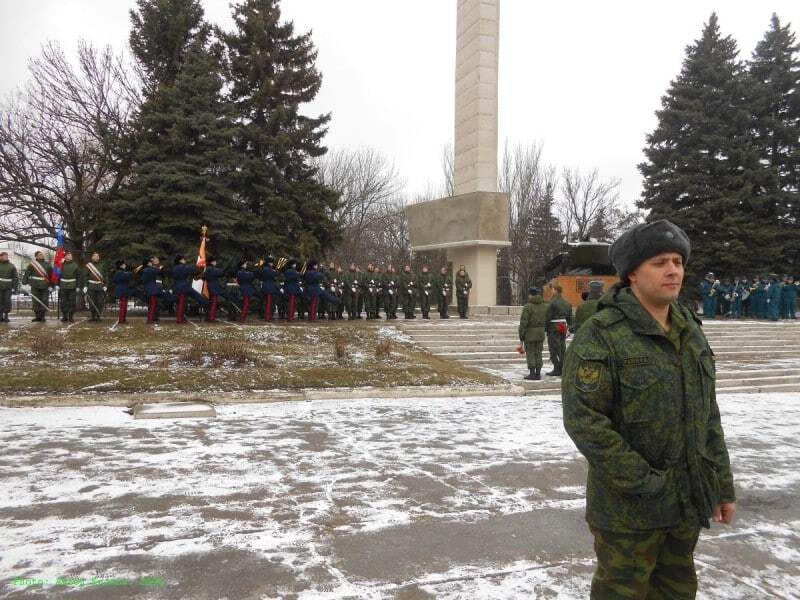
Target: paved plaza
x,y
428,498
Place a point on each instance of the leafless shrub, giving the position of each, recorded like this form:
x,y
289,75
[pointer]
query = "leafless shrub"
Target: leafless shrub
x,y
46,342
217,352
340,348
383,349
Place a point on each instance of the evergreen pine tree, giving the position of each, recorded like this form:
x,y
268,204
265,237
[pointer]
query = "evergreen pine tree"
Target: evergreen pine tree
x,y
183,165
774,100
272,74
701,166
161,34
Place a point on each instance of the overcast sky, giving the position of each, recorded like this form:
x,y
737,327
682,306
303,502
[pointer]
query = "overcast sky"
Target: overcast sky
x,y
582,77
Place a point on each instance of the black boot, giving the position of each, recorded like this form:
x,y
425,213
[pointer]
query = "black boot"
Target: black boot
x,y
537,373
531,375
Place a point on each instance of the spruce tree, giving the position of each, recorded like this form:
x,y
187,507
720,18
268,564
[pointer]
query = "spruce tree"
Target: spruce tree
x,y
272,74
183,164
774,100
161,34
701,166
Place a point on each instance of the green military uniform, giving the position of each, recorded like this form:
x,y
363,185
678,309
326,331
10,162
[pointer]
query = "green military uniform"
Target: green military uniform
x,y
408,292
559,309
38,277
68,289
370,286
640,405
8,283
390,291
426,281
351,293
94,283
589,306
444,293
532,325
463,286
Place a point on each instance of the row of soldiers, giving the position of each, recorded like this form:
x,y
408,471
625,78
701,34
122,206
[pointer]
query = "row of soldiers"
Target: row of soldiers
x,y
270,286
766,297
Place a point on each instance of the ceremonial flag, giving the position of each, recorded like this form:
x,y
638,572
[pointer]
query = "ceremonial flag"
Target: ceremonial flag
x,y
202,286
58,261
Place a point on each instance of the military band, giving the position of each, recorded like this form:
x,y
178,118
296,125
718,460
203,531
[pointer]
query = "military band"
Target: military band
x,y
770,297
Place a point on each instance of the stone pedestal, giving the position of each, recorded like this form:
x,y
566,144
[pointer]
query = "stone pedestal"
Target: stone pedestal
x,y
481,265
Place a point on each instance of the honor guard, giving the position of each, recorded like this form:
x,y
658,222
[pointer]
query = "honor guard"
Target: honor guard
x,y
37,275
407,282
444,293
463,286
214,277
370,288
390,292
292,288
426,281
152,279
182,277
245,278
351,292
9,281
68,288
708,292
270,290
95,285
123,288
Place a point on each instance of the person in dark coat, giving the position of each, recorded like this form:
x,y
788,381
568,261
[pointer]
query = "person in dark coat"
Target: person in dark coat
x,y
153,282
182,275
291,288
214,277
123,288
270,289
245,278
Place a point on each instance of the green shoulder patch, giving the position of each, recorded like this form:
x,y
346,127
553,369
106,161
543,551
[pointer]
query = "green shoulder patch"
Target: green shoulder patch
x,y
587,376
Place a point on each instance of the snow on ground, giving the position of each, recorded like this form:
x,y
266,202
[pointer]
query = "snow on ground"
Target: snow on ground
x,y
455,498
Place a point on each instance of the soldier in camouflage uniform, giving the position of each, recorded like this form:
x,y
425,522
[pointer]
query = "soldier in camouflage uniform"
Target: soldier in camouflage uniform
x,y
589,306
407,282
8,284
559,320
390,290
444,293
37,274
639,403
532,325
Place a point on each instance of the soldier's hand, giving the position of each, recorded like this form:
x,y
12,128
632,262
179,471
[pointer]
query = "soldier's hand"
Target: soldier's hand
x,y
724,513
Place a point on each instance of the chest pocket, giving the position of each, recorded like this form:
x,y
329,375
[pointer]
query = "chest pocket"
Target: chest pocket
x,y
707,376
641,391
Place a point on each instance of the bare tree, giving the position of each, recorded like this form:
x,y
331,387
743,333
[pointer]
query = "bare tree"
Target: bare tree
x,y
586,202
61,146
370,189
448,170
534,229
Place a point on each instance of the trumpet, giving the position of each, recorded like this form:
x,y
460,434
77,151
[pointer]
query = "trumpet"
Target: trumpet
x,y
281,263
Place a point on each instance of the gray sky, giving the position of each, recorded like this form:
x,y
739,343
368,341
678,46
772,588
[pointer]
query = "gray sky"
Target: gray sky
x,y
582,77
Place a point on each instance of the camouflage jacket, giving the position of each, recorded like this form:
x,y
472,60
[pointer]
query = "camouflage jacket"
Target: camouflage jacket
x,y
533,321
584,311
640,405
558,309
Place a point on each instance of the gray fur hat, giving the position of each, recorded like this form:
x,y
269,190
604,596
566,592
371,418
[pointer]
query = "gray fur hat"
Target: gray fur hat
x,y
596,287
647,240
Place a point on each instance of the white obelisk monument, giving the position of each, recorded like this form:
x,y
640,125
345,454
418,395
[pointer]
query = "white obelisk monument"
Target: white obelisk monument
x,y
472,224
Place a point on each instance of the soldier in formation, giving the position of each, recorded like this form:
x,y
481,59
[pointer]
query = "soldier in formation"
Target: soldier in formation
x,y
68,288
559,320
37,275
651,485
9,281
463,286
95,286
589,306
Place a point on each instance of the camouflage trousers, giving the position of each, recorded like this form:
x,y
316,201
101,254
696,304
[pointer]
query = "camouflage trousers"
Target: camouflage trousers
x,y
556,347
533,354
645,565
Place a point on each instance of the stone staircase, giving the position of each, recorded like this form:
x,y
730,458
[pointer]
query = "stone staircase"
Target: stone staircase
x,y
752,356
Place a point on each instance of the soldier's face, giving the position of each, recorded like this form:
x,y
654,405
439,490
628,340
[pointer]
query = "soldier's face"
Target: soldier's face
x,y
4,257
658,280
95,257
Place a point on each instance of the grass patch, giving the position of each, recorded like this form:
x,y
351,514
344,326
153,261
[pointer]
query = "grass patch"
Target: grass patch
x,y
46,342
172,358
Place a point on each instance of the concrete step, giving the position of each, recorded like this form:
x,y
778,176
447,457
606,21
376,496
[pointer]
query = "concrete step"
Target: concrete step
x,y
763,389
744,380
511,344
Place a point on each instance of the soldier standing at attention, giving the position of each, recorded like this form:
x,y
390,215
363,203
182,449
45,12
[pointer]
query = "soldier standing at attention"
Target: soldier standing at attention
x,y
589,306
708,292
37,274
774,298
408,283
639,403
270,290
532,326
351,287
369,290
444,293
123,288
292,288
463,286
559,318
788,298
95,282
390,292
426,282
8,283
68,288
214,277
153,281
245,278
